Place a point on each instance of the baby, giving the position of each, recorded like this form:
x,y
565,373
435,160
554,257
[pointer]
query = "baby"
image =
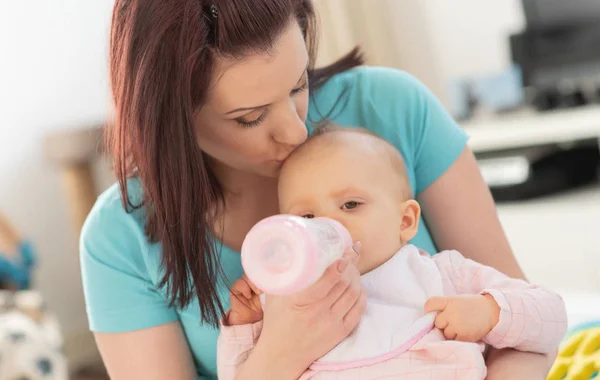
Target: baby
x,y
427,317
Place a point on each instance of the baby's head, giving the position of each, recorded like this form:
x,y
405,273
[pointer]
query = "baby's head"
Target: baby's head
x,y
358,179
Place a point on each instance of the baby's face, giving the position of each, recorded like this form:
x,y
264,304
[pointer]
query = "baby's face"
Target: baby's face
x,y
352,185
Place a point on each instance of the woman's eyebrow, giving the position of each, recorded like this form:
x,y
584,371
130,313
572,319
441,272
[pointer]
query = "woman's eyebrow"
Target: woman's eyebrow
x,y
264,105
245,109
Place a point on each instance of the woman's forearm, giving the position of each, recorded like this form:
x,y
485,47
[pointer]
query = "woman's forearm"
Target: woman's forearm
x,y
517,365
264,363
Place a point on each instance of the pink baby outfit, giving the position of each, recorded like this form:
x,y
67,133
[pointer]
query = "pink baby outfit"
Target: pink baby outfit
x,y
396,339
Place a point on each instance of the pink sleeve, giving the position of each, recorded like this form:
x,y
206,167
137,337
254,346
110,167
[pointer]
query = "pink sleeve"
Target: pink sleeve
x,y
233,347
532,318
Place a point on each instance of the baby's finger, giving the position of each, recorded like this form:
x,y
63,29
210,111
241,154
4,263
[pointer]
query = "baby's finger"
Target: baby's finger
x,y
241,289
251,285
256,304
436,304
441,321
450,333
466,337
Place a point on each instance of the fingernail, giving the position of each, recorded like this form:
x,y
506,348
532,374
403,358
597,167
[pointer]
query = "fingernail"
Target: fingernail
x,y
342,265
357,247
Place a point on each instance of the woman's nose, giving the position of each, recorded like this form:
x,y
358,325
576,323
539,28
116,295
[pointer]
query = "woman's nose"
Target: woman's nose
x,y
291,130
293,134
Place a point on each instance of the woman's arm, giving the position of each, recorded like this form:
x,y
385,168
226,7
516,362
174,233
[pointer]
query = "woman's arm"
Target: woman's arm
x,y
260,365
518,365
155,353
461,215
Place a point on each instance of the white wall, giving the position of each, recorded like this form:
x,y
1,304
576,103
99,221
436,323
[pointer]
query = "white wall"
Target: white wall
x,y
53,75
470,37
435,40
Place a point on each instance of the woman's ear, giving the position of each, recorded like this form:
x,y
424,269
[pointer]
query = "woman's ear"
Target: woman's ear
x,y
411,212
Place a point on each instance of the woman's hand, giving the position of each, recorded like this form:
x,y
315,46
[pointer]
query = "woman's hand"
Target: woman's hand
x,y
301,328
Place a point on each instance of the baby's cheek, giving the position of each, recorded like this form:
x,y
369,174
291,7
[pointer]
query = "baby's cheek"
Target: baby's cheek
x,y
378,249
367,260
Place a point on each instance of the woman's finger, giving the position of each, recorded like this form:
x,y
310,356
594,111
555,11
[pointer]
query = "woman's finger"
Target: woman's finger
x,y
356,312
344,303
340,287
320,289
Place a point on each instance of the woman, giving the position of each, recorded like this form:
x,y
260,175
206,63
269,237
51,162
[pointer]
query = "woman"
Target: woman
x,y
210,100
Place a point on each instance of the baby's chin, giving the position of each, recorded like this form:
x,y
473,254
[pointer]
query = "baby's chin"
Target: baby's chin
x,y
367,264
365,267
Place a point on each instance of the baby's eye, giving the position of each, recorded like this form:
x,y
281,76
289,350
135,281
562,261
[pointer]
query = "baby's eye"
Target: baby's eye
x,y
308,216
350,205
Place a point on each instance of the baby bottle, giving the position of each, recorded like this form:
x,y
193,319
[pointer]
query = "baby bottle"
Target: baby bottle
x,y
284,254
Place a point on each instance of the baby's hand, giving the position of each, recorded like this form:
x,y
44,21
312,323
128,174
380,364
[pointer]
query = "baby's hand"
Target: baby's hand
x,y
245,303
466,318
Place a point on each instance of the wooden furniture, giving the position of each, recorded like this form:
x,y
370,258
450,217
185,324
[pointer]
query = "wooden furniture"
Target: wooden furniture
x,y
9,237
74,151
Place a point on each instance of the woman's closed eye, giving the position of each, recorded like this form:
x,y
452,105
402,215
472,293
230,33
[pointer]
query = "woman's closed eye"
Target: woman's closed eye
x,y
257,121
302,87
253,123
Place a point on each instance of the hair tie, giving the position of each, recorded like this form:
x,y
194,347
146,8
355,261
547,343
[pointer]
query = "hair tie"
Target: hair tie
x,y
211,14
214,12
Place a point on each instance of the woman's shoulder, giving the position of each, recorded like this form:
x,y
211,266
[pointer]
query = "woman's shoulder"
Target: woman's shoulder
x,y
370,95
109,223
378,76
371,81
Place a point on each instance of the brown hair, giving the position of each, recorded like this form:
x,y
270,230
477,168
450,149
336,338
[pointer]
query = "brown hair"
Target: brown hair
x,y
161,61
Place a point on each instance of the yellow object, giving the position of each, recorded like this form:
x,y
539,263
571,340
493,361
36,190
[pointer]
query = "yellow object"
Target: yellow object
x,y
579,357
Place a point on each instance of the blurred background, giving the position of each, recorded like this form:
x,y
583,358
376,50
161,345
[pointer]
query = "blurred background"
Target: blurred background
x,y
522,77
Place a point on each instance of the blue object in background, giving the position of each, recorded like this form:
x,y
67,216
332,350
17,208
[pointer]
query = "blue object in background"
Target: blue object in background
x,y
502,91
16,271
498,92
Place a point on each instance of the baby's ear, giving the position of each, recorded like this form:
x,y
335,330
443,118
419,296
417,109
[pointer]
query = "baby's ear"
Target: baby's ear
x,y
411,212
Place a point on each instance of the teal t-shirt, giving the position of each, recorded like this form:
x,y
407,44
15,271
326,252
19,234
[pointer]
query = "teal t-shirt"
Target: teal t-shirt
x,y
121,270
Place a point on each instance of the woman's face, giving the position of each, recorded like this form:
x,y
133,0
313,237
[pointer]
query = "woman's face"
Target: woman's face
x,y
256,108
